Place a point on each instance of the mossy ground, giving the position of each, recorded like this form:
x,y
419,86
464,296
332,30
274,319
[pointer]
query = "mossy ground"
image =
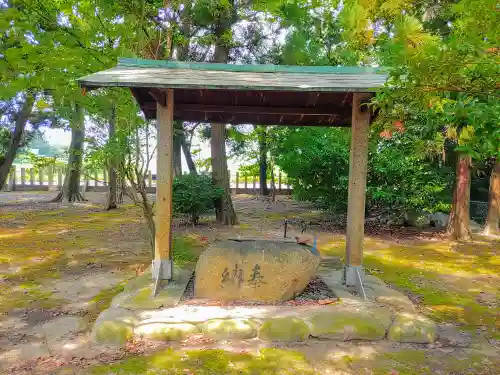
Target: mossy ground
x,y
376,360
212,362
449,282
41,243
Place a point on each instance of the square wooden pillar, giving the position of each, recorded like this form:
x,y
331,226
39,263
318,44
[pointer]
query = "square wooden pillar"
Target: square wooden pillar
x,y
358,160
162,264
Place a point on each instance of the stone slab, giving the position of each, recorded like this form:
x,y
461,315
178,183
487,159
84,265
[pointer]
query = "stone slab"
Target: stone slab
x,y
412,328
230,329
351,320
79,290
375,289
450,335
23,352
138,293
165,331
114,326
284,330
60,327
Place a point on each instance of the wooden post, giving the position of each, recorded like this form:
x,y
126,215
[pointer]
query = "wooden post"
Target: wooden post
x,y
254,183
150,179
237,183
32,176
40,177
162,264
23,177
50,176
358,161
59,178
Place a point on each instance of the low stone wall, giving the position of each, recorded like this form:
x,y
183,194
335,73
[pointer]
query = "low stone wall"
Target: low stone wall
x,y
344,321
134,314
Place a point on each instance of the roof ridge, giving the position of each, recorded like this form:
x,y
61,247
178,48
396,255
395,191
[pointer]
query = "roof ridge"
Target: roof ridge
x,y
254,68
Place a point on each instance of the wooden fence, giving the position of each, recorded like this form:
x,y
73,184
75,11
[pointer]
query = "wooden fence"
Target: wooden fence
x,y
52,179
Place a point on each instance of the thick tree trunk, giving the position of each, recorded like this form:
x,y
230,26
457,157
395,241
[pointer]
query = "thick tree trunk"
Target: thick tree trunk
x,y
71,189
493,218
111,199
178,134
186,148
458,225
263,190
15,141
224,209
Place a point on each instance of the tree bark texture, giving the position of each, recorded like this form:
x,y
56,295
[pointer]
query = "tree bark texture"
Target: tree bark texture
x,y
263,190
493,218
186,149
224,209
178,133
111,199
458,225
71,188
17,136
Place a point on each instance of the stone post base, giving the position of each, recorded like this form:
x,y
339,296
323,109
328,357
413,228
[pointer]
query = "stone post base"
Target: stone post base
x,y
163,268
354,276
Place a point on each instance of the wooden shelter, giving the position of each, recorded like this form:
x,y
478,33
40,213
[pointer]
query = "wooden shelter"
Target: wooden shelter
x,y
251,94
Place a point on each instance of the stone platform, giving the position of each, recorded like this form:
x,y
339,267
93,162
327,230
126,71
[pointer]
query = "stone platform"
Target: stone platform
x,y
387,315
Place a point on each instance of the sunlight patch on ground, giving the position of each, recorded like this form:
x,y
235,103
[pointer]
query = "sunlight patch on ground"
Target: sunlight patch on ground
x,y
448,279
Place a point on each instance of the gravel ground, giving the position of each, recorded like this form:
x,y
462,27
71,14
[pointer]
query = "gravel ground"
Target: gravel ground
x,y
315,293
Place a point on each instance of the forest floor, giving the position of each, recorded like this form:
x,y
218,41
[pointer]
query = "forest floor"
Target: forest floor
x,y
60,266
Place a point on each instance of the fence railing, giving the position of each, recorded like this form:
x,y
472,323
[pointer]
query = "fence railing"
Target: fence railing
x,y
52,179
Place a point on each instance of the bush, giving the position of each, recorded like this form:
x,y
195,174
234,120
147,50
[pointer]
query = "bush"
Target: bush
x,y
194,194
399,179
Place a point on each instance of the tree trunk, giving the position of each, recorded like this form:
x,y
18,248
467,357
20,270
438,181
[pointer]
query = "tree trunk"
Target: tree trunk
x,y
122,189
15,141
71,189
493,218
111,199
273,184
178,133
458,225
224,209
262,134
186,148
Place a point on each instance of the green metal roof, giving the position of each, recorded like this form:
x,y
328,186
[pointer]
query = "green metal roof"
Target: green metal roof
x,y
185,75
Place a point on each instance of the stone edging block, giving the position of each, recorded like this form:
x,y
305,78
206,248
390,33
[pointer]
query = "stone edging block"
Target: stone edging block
x,y
413,328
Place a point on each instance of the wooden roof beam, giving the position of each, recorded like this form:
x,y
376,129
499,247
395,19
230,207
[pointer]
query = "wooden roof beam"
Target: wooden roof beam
x,y
209,108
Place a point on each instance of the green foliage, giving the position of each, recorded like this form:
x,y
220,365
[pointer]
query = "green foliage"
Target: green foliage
x,y
42,161
4,142
399,177
451,82
193,195
316,162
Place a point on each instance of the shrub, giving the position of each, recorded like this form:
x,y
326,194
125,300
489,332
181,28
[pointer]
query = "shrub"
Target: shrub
x,y
194,194
399,179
